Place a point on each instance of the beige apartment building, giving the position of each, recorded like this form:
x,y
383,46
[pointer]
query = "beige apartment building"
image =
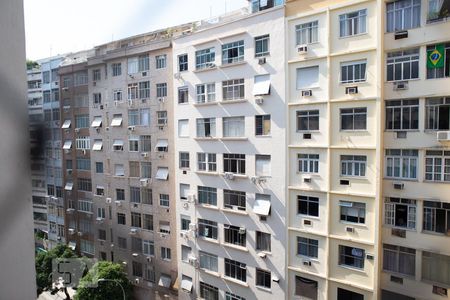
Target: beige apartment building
x,y
132,150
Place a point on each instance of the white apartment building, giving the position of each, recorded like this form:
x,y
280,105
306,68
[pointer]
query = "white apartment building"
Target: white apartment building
x,y
229,120
333,137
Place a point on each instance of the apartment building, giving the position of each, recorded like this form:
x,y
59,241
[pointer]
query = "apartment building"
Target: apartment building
x,y
53,149
229,120
333,137
76,163
132,150
36,127
416,175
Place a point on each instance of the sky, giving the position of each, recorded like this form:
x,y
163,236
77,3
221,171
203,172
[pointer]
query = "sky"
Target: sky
x,y
61,26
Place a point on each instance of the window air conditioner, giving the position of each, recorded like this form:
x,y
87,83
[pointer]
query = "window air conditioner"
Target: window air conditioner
x,y
349,229
131,128
399,185
229,176
307,263
350,90
400,85
302,49
259,100
108,200
261,60
443,136
306,93
401,34
241,230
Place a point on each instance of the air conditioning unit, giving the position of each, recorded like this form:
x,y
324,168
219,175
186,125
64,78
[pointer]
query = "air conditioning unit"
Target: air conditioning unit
x,y
349,229
254,179
261,60
99,219
443,136
241,230
259,100
135,205
192,227
161,155
71,231
83,151
116,103
307,179
80,233
77,130
262,254
70,210
400,85
191,198
163,235
131,128
69,171
229,176
192,260
144,74
65,89
144,154
118,202
184,234
306,93
185,204
351,90
177,75
133,230
399,185
108,200
149,258
302,49
210,65
144,181
403,34
135,254
306,262
107,128
161,99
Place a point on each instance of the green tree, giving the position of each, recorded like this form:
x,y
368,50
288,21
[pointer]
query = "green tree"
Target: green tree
x,y
112,280
31,64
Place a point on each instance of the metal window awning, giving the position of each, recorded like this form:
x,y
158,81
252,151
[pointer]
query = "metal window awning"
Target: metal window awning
x,y
186,285
345,204
66,124
165,281
97,122
117,143
116,121
261,85
68,186
67,145
162,173
164,228
72,245
98,145
161,144
262,207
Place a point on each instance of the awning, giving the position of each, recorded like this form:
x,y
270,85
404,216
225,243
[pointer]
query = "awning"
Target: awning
x,y
161,144
67,145
162,173
98,145
165,228
262,207
116,121
345,204
97,122
261,85
72,245
117,143
69,186
186,285
165,281
66,124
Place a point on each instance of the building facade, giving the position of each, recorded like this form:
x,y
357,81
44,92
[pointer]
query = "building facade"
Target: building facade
x,y
229,120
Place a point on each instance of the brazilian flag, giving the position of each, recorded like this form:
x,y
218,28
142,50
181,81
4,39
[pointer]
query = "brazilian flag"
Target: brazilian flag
x,y
435,57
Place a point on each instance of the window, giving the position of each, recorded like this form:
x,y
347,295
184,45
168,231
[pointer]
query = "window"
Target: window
x,y
184,160
231,296
147,222
354,71
117,145
185,221
206,127
353,23
139,117
145,143
205,58
116,69
402,114
206,92
133,91
83,163
207,195
183,128
84,184
402,15
308,163
136,244
133,143
262,45
307,77
306,288
135,194
263,241
436,267
117,95
144,89
402,65
400,212
353,212
85,206
121,219
401,163
234,199
161,61
437,113
46,96
161,90
262,125
438,10
164,200
101,213
83,143
183,95
136,269
235,269
351,257
437,165
307,247
133,65
146,170
308,206
399,259
162,145
46,77
98,167
348,295
233,126
166,253
147,196
353,165
234,235
354,118
144,63
120,194
436,217
185,251
233,89
234,163
208,292
164,227
307,33
182,62
56,116
307,120
262,167
206,162
207,229
233,52
82,121
263,278
208,261
438,60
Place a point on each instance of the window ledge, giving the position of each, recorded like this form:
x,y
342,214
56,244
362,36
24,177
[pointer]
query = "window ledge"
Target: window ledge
x,y
206,138
241,283
207,173
237,138
401,179
400,228
262,288
204,69
359,178
240,248
235,211
233,101
212,273
228,65
208,206
352,268
237,176
208,240
359,225
205,103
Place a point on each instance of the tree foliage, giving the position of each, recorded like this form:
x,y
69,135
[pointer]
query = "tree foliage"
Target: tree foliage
x,y
105,289
31,64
